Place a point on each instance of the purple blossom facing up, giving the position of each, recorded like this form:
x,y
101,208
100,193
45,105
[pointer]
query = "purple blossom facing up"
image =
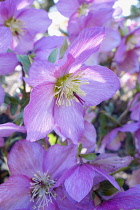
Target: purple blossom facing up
x,y
16,18
34,172
62,89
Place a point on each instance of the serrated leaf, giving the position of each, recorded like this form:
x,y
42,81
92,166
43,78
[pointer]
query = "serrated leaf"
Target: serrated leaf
x,y
90,156
53,56
25,61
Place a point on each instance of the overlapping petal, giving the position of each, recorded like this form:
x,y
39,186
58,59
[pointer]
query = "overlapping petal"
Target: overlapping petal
x,y
5,39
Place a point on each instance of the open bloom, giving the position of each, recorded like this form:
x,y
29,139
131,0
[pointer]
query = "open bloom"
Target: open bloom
x,y
22,23
61,90
34,172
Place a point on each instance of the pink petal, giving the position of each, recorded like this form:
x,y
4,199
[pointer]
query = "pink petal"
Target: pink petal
x,y
38,114
57,166
69,121
5,39
26,158
8,128
8,62
87,43
2,94
80,182
103,84
15,193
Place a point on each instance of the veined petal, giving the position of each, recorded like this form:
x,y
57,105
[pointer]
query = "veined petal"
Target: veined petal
x,y
87,43
15,193
38,114
26,158
8,62
40,71
5,39
69,121
103,84
67,158
80,182
38,22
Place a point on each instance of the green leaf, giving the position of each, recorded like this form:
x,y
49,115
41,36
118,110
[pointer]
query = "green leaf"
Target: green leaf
x,y
80,148
107,189
63,48
90,156
13,109
53,56
52,139
25,60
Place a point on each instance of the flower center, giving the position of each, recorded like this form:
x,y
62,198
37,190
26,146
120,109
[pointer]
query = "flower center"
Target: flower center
x,y
67,88
15,25
83,9
40,190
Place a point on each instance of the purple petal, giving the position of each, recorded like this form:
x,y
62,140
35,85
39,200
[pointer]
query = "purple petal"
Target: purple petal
x,y
127,200
1,142
26,158
8,62
8,128
2,94
15,193
107,176
87,43
38,114
40,71
5,39
67,159
67,8
88,138
103,84
80,182
38,22
69,121
111,162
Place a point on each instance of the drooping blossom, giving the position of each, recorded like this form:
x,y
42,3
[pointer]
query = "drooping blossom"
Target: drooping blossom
x,y
61,90
16,18
126,200
34,171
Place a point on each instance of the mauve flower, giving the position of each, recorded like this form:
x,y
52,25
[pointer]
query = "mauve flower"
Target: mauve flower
x,y
127,200
23,23
127,54
34,171
135,108
62,89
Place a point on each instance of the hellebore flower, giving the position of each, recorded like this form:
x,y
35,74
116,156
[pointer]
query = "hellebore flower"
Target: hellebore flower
x,y
23,23
34,171
61,90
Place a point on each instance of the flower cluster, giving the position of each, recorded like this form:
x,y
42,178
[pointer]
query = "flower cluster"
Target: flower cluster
x,y
64,86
